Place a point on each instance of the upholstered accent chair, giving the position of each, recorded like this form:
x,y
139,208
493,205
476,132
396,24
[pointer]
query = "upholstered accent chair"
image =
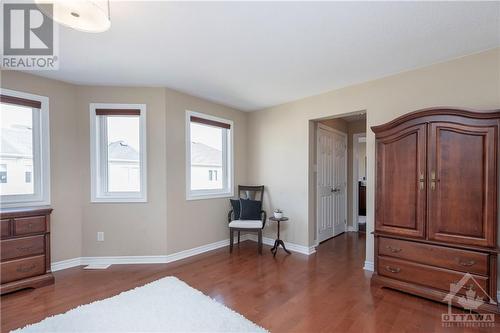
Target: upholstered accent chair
x,y
252,193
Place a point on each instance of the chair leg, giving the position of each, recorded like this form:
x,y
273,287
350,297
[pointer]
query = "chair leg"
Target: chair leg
x,y
231,238
238,237
260,241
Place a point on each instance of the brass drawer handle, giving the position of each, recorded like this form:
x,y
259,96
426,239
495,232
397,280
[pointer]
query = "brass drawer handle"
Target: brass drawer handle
x,y
25,248
393,270
421,180
393,249
25,269
434,180
466,263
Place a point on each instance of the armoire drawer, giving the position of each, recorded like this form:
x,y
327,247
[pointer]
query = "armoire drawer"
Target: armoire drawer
x,y
434,277
5,228
433,255
22,247
22,268
29,225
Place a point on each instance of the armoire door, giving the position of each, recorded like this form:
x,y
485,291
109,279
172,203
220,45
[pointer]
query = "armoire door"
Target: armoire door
x,y
462,185
400,182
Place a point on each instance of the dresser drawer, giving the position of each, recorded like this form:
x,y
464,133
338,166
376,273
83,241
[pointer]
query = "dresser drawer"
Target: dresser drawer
x,y
454,259
22,268
5,228
29,225
22,247
434,277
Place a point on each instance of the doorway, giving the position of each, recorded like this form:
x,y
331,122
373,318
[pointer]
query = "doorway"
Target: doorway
x,y
338,175
359,182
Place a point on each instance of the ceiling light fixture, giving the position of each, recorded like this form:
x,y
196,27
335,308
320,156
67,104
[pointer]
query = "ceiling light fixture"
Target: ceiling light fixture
x,y
82,15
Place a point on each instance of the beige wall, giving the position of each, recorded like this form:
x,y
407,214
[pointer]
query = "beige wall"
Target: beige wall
x,y
129,228
284,165
197,222
65,160
276,141
337,124
167,223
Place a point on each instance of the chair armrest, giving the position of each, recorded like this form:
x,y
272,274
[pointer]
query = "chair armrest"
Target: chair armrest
x,y
263,216
230,216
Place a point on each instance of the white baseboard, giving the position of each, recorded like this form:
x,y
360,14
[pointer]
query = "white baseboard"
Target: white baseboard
x,y
351,228
64,264
116,260
307,250
162,259
369,266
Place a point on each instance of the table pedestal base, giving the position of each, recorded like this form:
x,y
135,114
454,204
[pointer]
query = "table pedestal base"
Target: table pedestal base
x,y
277,243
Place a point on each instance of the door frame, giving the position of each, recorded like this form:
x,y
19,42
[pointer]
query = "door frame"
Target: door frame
x,y
345,136
355,179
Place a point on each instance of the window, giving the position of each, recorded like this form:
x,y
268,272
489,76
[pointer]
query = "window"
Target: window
x,y
118,152
209,167
24,134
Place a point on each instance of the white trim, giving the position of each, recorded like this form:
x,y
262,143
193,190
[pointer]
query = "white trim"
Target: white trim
x,y
228,160
369,266
97,192
356,138
163,259
65,264
116,260
307,250
350,228
41,156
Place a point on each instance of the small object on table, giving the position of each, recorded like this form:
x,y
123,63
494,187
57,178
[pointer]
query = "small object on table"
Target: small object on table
x,y
278,241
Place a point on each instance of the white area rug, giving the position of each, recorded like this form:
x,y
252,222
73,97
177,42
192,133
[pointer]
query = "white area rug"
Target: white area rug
x,y
166,305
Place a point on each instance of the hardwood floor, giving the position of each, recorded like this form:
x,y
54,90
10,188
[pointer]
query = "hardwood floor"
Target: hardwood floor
x,y
326,292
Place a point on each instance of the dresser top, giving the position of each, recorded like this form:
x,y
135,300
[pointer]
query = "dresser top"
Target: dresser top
x,y
6,213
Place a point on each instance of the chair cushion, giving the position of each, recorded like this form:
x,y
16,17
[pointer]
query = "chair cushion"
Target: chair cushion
x,y
249,224
250,209
235,203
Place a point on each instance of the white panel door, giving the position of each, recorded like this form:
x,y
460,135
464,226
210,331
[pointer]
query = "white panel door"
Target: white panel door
x,y
331,183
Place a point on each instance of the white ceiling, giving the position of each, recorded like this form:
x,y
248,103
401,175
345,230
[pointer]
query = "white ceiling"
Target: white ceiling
x,y
258,54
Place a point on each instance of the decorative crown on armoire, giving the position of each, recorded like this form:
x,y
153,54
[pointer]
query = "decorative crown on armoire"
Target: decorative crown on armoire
x,y
436,211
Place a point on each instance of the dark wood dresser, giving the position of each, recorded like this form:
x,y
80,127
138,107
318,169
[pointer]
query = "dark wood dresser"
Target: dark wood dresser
x,y
25,249
436,204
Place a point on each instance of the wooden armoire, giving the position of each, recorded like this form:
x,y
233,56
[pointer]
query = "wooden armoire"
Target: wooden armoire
x,y
436,203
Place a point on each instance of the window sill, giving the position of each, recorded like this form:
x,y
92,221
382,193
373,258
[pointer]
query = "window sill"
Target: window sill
x,y
192,197
27,204
118,200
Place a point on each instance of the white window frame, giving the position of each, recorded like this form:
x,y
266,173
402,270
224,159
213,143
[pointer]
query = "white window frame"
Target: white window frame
x,y
98,167
41,156
227,159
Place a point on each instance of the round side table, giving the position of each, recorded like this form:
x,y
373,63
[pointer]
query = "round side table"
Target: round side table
x,y
278,241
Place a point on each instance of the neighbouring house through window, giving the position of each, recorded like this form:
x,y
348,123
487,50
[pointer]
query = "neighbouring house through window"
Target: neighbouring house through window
x,y
118,153
212,175
3,173
28,173
24,149
209,156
